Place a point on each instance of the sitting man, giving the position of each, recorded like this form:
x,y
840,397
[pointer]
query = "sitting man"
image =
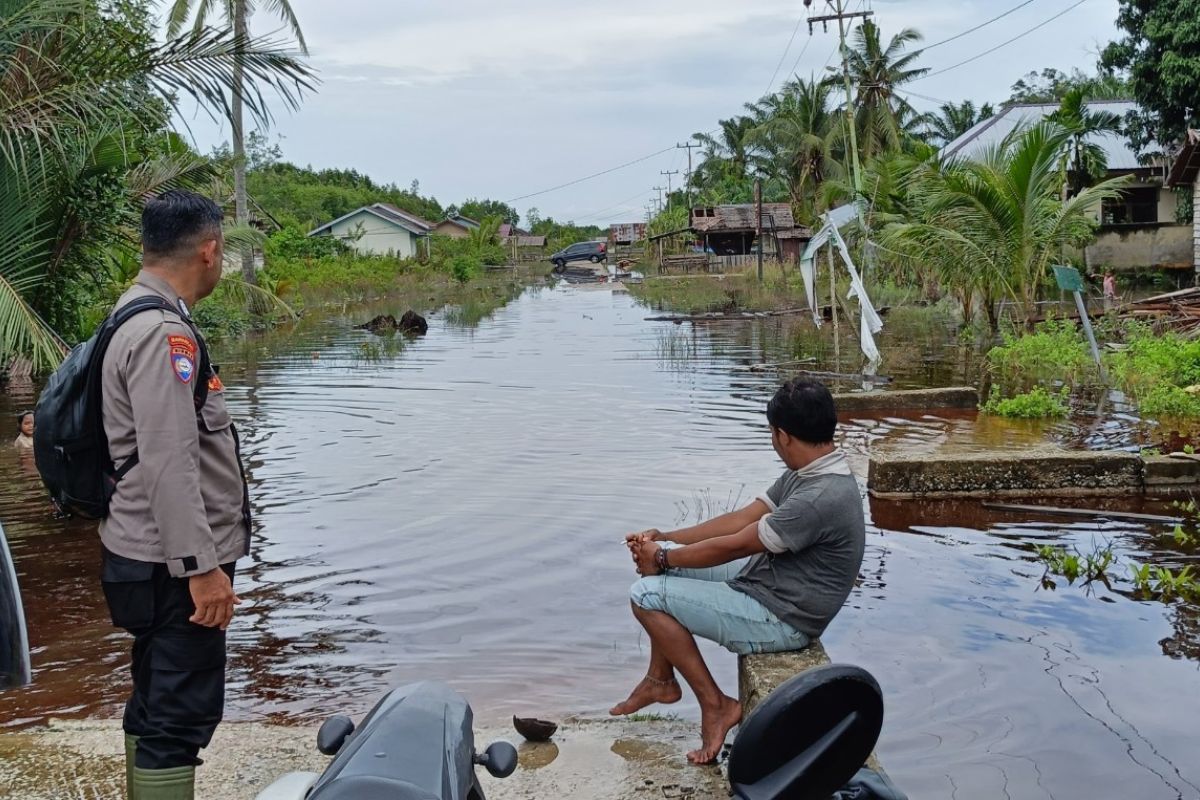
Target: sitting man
x,y
764,579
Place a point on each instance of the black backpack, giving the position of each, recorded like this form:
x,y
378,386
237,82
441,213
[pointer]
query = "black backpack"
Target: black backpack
x,y
69,442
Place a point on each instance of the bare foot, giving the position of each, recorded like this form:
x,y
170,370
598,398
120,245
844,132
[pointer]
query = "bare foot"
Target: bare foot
x,y
647,693
715,725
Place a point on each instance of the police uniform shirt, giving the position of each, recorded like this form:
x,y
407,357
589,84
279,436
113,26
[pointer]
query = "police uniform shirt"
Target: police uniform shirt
x,y
182,504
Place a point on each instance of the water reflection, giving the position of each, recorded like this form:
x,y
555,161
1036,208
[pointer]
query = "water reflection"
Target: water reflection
x,y
451,507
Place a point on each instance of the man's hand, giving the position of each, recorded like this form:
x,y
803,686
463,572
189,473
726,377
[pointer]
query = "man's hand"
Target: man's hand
x,y
643,558
648,535
212,593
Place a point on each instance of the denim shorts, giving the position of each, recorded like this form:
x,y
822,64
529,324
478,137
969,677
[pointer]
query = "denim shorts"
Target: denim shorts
x,y
702,601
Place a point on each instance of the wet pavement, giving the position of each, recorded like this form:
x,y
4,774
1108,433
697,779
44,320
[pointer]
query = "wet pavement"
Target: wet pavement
x,y
452,508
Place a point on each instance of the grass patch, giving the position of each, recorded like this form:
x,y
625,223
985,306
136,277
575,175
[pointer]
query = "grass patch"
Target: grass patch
x,y
651,717
733,292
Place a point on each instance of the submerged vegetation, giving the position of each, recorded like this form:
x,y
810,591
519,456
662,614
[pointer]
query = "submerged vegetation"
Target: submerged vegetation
x,y
1158,373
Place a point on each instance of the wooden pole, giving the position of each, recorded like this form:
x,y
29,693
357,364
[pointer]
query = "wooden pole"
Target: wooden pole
x,y
758,224
837,341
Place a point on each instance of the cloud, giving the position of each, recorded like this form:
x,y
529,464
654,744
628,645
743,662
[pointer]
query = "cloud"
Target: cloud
x,y
479,98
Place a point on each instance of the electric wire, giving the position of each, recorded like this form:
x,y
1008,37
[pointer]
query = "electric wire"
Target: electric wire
x,y
981,25
991,50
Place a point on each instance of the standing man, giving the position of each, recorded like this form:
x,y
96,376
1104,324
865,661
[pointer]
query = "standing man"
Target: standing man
x,y
766,578
180,516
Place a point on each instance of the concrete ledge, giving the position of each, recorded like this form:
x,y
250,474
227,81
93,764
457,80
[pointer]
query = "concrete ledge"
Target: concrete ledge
x,y
759,675
908,400
1049,473
1167,471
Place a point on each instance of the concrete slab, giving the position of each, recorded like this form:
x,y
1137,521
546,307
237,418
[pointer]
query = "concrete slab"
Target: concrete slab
x,y
908,400
1033,473
1171,471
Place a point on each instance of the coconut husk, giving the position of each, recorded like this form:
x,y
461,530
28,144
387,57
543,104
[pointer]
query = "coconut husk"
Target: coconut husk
x,y
535,730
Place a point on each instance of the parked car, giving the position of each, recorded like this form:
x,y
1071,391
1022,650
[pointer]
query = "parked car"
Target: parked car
x,y
594,252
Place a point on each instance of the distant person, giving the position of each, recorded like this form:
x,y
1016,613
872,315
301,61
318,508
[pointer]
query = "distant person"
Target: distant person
x,y
767,578
24,440
1110,288
180,516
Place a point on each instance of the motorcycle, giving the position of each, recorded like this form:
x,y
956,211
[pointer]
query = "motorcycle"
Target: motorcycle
x,y
804,742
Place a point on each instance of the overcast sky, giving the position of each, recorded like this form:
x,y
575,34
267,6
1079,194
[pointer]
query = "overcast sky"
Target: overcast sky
x,y
475,98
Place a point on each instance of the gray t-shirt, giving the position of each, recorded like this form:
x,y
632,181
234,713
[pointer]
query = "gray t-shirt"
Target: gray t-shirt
x,y
815,535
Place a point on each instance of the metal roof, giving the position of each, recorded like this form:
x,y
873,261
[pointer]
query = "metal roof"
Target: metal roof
x,y
991,132
401,214
741,217
385,213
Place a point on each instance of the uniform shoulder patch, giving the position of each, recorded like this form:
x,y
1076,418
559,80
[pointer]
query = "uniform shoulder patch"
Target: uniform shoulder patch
x,y
183,357
215,385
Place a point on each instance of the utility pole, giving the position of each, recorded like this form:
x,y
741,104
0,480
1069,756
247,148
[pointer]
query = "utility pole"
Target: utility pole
x,y
659,189
841,15
758,225
669,173
688,182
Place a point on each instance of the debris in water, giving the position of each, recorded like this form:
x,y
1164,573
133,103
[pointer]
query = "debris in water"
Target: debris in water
x,y
411,322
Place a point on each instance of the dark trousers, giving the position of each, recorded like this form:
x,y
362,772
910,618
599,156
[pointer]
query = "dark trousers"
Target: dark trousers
x,y
178,667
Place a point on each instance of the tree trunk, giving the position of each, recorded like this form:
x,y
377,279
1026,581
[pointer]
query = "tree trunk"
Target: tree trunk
x,y
240,201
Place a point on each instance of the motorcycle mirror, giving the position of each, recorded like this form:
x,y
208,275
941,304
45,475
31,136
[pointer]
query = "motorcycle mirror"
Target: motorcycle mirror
x,y
809,737
333,734
500,759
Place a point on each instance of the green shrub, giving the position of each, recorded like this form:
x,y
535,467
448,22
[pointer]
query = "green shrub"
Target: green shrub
x,y
1055,350
1166,400
1036,404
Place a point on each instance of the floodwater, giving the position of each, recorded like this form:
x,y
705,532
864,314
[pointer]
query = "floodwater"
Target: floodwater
x,y
453,508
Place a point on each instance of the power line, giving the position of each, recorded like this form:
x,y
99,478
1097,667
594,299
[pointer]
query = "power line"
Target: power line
x,y
1043,24
783,57
593,175
613,207
980,25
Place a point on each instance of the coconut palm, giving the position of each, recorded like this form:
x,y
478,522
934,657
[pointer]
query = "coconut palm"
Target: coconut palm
x,y
953,120
997,223
797,141
1084,161
76,88
236,13
725,158
879,72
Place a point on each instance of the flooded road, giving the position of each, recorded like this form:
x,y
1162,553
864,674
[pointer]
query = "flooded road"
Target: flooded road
x,y
453,508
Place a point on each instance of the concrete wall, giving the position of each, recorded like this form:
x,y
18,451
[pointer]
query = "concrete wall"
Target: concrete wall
x,y
1132,248
1196,226
375,236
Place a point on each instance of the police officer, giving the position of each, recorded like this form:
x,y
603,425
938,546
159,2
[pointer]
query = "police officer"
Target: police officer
x,y
179,518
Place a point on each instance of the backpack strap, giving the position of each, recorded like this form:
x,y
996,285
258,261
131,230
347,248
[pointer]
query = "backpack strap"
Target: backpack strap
x,y
109,329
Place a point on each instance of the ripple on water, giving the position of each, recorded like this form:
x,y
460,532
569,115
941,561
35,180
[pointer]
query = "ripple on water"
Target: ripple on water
x,y
452,507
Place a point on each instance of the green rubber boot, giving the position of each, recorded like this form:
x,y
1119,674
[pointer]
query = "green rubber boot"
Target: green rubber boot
x,y
130,751
177,783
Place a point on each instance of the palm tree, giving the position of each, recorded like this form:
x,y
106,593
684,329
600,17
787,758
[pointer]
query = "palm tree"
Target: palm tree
x,y
879,72
76,89
725,156
236,13
952,121
1084,161
797,141
996,224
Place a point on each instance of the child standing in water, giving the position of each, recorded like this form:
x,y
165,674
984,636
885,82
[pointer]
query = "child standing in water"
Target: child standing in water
x,y
24,440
